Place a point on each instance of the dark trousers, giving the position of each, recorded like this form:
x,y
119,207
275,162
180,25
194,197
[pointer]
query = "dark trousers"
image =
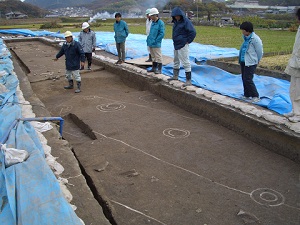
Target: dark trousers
x,y
121,50
89,57
247,77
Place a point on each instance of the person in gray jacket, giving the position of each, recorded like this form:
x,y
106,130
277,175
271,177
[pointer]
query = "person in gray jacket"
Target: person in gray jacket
x,y
87,39
293,69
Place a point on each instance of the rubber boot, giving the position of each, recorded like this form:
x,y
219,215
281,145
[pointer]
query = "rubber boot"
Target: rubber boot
x,y
70,86
188,76
159,66
154,65
149,59
175,75
78,87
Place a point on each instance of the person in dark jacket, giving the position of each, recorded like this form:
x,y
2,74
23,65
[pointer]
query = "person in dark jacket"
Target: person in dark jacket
x,y
183,34
74,59
87,39
121,33
154,39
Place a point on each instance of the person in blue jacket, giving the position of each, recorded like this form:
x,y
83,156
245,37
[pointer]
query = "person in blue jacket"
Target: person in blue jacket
x,y
251,53
183,34
75,58
154,39
121,33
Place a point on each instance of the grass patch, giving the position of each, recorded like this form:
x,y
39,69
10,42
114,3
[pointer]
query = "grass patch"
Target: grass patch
x,y
274,41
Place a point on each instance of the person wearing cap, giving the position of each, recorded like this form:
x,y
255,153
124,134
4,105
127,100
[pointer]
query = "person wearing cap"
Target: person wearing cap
x,y
121,33
148,26
154,39
74,59
87,39
183,34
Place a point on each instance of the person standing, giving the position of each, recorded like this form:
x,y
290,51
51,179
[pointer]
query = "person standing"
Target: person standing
x,y
293,69
154,39
148,26
74,59
250,54
121,33
183,34
87,39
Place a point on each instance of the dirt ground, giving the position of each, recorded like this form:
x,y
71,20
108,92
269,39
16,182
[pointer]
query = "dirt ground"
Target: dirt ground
x,y
155,163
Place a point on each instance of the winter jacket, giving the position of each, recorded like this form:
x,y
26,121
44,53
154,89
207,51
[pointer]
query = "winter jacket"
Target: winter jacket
x,y
121,31
74,55
254,51
157,33
87,41
183,30
293,67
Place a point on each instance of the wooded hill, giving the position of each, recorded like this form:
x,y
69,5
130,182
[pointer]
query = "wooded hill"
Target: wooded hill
x,y
18,6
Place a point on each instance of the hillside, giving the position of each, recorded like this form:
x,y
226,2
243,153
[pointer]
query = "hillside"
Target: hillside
x,y
28,9
55,4
98,5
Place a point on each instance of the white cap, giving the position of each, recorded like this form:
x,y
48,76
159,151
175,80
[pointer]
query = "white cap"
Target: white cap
x,y
68,34
153,11
85,25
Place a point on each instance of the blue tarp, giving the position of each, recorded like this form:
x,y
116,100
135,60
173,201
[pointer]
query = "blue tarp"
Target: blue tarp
x,y
29,191
274,92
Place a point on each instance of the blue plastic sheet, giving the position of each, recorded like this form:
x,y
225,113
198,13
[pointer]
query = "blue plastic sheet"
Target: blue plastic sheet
x,y
29,192
274,92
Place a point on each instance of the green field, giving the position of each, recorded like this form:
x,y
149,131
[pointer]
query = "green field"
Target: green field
x,y
274,41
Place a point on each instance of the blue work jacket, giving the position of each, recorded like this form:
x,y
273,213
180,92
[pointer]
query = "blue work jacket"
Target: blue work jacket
x,y
157,33
121,31
74,55
183,30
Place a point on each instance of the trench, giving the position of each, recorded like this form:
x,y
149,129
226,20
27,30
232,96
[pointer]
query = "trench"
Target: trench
x,y
86,131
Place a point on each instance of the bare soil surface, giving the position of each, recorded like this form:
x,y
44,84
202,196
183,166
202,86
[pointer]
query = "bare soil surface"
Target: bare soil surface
x,y
154,163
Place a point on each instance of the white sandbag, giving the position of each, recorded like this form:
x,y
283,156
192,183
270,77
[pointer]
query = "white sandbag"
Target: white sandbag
x,y
13,156
41,127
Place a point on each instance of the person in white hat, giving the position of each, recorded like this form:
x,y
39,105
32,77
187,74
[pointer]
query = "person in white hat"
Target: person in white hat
x,y
148,26
87,39
154,39
74,59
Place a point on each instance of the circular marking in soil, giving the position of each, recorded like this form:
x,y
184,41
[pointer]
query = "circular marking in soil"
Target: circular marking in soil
x,y
111,107
268,197
150,99
176,133
89,97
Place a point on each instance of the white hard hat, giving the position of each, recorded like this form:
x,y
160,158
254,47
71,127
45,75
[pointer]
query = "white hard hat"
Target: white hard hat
x,y
85,25
68,34
153,11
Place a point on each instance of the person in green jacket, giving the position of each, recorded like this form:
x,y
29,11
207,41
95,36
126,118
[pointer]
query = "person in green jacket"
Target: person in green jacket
x,y
121,33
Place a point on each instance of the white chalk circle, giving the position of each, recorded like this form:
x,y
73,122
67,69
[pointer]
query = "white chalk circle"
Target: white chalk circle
x,y
268,197
89,97
111,107
176,133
